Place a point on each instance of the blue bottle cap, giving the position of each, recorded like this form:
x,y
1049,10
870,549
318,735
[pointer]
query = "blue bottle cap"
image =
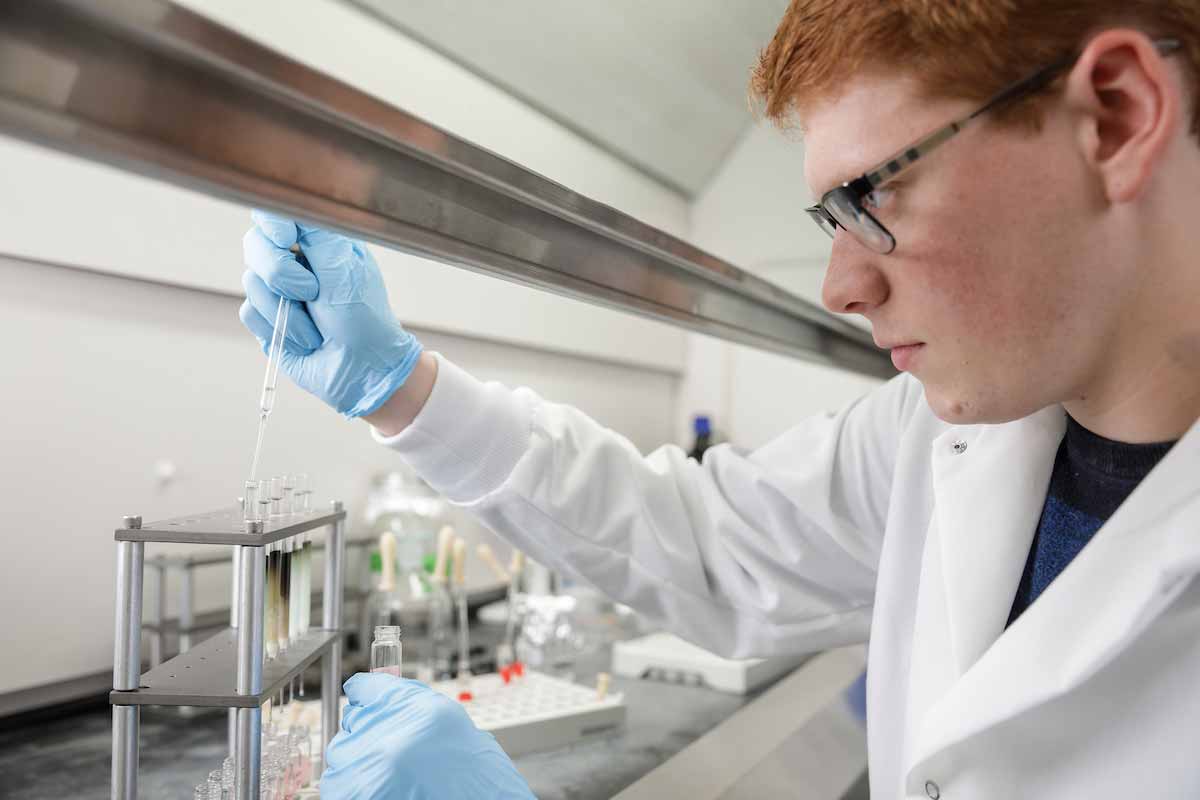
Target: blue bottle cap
x,y
701,425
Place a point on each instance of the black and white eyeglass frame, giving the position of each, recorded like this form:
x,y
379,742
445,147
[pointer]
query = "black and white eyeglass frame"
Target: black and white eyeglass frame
x,y
842,206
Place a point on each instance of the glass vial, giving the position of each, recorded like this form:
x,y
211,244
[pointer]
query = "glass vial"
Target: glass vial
x,y
277,496
306,586
271,604
301,494
250,509
288,501
285,585
295,576
386,650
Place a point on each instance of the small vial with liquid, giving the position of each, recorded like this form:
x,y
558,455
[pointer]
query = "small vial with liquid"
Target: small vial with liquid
x,y
271,603
277,496
283,601
302,494
294,589
306,585
250,507
288,501
386,650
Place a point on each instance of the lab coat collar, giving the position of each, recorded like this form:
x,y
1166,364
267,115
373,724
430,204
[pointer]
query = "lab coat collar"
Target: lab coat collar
x,y
990,485
1133,568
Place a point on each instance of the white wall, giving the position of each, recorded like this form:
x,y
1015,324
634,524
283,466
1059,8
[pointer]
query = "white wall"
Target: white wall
x,y
752,214
105,375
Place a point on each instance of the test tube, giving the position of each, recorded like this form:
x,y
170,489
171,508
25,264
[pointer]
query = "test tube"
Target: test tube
x,y
506,651
288,502
285,578
460,593
264,500
277,496
303,550
440,610
386,650
270,632
294,589
306,599
250,508
303,493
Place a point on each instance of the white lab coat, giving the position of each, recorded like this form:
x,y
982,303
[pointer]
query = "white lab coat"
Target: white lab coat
x,y
873,521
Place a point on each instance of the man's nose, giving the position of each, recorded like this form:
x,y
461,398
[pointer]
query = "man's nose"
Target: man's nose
x,y
853,282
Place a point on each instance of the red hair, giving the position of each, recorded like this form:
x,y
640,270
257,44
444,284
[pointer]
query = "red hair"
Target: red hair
x,y
954,48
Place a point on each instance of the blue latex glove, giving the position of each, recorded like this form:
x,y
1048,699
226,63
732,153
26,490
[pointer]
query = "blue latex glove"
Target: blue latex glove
x,y
401,740
343,344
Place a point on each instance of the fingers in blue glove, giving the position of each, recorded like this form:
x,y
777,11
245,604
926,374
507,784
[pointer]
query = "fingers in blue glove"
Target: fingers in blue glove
x,y
302,334
278,267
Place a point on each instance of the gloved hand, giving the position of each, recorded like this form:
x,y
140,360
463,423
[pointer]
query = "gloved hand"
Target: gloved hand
x,y
343,344
401,740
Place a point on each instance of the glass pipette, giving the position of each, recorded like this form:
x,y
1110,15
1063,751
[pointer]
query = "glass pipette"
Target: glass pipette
x,y
266,400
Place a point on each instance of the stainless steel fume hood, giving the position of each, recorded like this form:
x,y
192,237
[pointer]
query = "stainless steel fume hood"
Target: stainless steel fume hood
x,y
157,89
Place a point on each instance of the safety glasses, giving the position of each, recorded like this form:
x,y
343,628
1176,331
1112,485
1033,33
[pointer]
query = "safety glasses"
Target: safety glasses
x,y
845,206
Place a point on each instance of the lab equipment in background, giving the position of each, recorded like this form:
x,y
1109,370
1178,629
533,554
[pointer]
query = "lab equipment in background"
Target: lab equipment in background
x,y
441,612
404,504
384,604
386,650
550,640
506,664
662,656
702,428
460,599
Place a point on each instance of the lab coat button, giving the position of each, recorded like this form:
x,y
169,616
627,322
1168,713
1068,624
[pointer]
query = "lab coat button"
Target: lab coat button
x,y
959,446
932,790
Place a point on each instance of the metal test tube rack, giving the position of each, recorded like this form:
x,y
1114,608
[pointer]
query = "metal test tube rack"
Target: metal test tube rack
x,y
226,670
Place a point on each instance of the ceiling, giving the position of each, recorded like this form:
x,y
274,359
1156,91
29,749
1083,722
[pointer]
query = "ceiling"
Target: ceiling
x,y
660,84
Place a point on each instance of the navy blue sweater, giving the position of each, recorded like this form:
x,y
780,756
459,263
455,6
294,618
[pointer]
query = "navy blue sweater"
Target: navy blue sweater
x,y
1092,477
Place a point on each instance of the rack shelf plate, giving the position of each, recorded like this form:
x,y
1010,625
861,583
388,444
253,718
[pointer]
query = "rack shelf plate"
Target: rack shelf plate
x,y
206,674
227,527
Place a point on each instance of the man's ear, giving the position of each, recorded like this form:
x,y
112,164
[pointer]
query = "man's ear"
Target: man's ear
x,y
1128,103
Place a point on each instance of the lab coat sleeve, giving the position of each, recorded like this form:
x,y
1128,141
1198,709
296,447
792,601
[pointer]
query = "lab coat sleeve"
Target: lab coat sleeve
x,y
749,553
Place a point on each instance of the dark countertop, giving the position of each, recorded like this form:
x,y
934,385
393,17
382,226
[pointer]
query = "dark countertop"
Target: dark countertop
x,y
50,758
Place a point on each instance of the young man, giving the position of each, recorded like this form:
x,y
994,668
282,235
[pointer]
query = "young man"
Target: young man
x,y
1015,520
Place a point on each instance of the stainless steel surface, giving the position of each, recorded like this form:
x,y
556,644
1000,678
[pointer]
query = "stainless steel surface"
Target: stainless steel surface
x,y
206,675
250,581
721,764
235,587
155,88
235,611
125,752
247,758
331,615
226,527
186,620
127,663
127,656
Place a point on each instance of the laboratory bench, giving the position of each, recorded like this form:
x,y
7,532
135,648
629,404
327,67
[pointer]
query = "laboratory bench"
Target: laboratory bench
x,y
795,738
